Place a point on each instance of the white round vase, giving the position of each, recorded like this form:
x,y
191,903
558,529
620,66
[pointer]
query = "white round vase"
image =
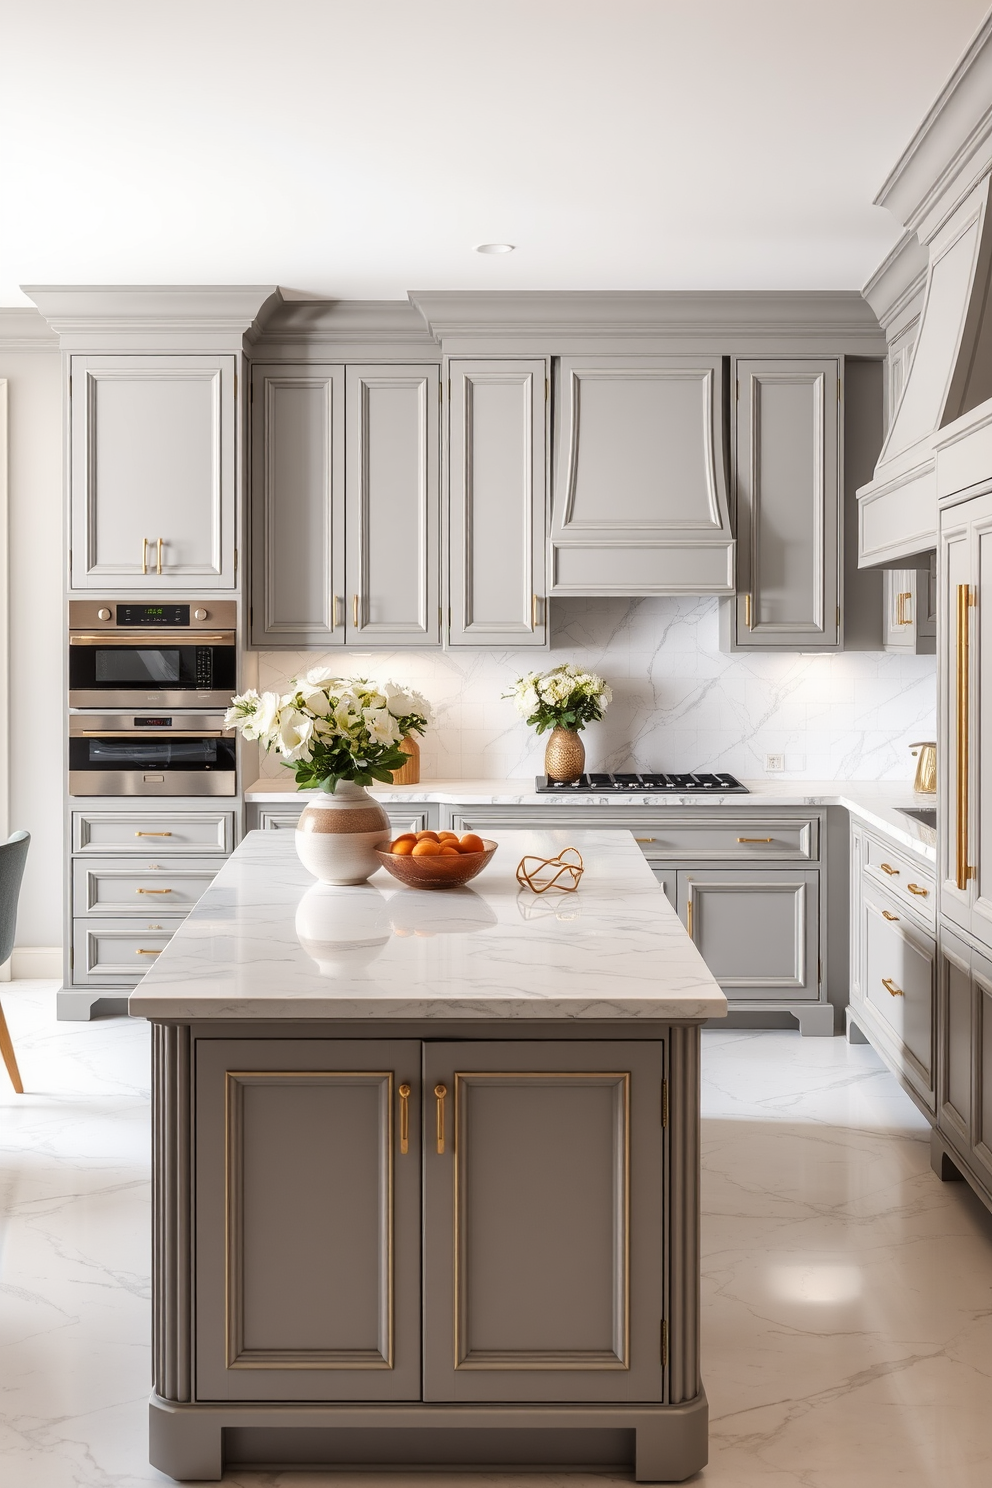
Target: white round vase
x,y
337,834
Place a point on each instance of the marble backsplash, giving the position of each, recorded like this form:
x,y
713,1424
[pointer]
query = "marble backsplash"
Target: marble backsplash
x,y
679,702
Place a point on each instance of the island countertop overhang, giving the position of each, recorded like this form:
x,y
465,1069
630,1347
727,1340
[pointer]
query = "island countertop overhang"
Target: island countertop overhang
x,y
266,942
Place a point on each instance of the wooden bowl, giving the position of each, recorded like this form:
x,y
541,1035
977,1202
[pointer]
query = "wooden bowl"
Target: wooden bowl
x,y
435,872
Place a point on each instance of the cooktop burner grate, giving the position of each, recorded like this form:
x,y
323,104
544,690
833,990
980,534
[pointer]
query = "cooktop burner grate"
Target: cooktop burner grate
x,y
720,783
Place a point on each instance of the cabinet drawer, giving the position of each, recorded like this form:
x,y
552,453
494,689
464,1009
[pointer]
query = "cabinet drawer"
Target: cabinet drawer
x,y
758,932
153,831
912,885
665,833
115,886
118,950
899,981
401,819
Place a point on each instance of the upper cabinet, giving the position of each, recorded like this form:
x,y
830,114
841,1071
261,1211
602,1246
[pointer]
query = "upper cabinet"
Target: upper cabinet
x,y
153,472
345,506
787,468
910,610
497,493
640,487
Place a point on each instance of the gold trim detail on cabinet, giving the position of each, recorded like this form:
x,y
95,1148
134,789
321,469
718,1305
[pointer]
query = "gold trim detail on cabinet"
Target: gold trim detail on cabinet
x,y
891,987
887,916
963,870
440,1091
901,606
613,1359
888,868
755,839
239,1357
918,890
404,1094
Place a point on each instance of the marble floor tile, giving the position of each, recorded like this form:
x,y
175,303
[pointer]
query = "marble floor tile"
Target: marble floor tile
x,y
847,1302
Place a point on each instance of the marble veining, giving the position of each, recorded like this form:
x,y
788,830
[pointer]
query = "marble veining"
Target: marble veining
x,y
680,703
266,941
847,1294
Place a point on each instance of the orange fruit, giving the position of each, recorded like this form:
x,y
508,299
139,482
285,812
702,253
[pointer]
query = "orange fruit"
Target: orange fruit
x,y
448,850
470,843
428,836
428,847
403,846
447,836
405,837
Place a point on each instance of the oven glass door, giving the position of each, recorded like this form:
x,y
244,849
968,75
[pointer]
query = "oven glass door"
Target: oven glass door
x,y
171,667
138,752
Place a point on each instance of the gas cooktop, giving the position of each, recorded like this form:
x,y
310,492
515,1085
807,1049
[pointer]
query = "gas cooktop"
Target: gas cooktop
x,y
700,781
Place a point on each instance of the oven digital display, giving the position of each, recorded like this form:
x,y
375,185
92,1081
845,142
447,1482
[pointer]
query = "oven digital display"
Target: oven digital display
x,y
142,614
130,664
152,722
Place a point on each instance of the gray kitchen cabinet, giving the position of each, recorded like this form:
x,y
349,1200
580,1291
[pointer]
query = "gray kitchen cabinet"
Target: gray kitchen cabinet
x,y
308,1274
345,506
964,724
152,472
964,1079
297,506
788,503
497,503
758,931
909,610
545,1207
640,503
284,818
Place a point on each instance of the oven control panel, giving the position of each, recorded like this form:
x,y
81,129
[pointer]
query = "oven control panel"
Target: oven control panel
x,y
110,614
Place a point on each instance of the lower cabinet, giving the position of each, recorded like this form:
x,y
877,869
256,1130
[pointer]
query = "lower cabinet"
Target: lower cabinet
x,y
757,931
401,818
398,1220
964,1070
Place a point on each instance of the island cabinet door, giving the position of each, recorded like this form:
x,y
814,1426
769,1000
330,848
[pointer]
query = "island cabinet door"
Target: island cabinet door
x,y
543,1244
307,1219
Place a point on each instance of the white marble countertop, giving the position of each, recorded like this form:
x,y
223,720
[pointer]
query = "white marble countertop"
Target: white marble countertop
x,y
874,802
267,941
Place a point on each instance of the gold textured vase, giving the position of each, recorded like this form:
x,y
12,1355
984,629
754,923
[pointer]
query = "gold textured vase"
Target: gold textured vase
x,y
408,774
565,755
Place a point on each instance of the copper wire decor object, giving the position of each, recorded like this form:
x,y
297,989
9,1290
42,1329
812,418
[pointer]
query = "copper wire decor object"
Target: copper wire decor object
x,y
561,867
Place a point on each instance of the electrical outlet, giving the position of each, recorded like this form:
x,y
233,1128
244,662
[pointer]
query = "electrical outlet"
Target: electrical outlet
x,y
774,761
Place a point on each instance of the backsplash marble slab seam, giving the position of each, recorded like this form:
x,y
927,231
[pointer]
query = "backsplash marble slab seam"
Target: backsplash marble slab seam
x,y
679,701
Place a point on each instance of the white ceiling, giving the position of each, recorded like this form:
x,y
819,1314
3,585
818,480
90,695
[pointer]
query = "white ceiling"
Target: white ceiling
x,y
360,148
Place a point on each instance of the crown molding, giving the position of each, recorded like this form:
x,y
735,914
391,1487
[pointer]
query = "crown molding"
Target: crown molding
x,y
187,317
658,321
24,329
952,148
895,289
313,330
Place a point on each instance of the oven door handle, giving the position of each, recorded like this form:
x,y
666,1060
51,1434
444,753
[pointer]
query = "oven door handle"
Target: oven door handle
x,y
149,638
144,735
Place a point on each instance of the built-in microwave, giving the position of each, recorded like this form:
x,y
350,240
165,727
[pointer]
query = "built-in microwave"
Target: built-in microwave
x,y
166,655
145,754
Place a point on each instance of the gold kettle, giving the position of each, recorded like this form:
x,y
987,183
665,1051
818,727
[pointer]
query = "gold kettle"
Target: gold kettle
x,y
925,783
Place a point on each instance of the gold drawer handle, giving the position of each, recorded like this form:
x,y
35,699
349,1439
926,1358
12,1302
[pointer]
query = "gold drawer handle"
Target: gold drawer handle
x,y
440,1092
887,916
153,891
144,555
902,618
915,889
644,839
158,559
891,988
148,953
153,834
688,918
747,612
888,868
404,1095
755,839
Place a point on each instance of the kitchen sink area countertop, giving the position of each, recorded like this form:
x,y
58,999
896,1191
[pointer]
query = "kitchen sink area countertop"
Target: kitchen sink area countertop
x,y
881,804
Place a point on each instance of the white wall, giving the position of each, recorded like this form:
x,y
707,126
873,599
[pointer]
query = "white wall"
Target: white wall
x,y
36,565
680,703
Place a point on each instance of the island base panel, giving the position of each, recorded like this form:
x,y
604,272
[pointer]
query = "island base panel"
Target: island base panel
x,y
663,1444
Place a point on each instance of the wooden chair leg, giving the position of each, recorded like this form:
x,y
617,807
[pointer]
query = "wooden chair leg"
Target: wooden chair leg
x,y
7,1050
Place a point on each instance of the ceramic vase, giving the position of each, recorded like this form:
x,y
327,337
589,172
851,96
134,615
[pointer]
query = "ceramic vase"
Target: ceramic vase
x,y
565,755
337,834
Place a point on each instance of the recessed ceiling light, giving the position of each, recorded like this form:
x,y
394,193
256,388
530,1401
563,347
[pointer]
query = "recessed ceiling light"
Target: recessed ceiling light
x,y
495,247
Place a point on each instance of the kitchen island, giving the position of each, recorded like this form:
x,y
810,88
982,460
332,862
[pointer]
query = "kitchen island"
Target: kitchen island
x,y
426,1170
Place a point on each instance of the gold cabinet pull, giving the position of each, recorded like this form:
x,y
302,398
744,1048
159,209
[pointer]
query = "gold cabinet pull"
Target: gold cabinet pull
x,y
901,607
644,839
916,889
158,556
335,611
153,891
440,1091
962,870
144,555
887,916
747,612
891,988
535,602
755,839
153,834
148,953
888,868
404,1094
354,611
688,918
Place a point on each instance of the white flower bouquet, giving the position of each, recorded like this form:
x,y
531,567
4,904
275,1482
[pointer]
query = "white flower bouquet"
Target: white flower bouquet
x,y
566,697
329,728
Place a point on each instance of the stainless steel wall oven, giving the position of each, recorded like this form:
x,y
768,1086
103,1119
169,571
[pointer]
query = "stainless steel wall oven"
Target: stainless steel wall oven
x,y
168,655
141,754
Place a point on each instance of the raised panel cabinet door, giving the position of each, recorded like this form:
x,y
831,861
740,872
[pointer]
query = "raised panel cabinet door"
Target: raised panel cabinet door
x,y
497,503
297,506
757,931
543,1240
955,1040
392,505
153,474
307,1243
981,1144
787,485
